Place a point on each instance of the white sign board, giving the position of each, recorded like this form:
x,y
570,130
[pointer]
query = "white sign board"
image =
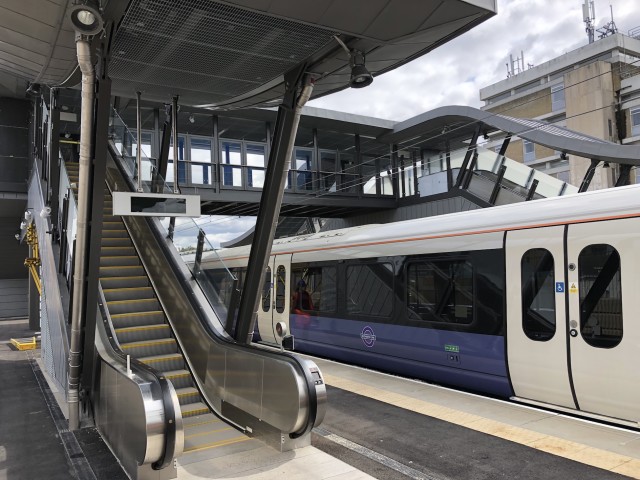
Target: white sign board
x,y
155,204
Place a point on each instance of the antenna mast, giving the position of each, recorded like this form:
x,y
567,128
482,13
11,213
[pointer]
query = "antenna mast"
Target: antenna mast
x,y
608,28
589,18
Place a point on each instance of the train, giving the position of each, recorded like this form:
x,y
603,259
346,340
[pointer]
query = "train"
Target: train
x,y
535,301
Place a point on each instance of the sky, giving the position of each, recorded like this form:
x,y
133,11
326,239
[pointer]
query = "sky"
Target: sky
x,y
454,73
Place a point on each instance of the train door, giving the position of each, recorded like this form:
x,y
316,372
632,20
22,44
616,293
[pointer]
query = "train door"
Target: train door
x,y
603,290
274,302
536,316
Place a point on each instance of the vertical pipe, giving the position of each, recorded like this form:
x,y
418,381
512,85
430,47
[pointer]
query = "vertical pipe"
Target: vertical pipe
x,y
174,129
86,134
139,140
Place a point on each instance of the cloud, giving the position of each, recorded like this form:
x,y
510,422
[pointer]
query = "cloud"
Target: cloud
x,y
454,73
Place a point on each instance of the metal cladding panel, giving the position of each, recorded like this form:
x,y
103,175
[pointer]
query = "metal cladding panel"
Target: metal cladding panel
x,y
217,50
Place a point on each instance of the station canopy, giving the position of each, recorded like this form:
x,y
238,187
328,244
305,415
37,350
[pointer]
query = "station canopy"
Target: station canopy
x,y
227,54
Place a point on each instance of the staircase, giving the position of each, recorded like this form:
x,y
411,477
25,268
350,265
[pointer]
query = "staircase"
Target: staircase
x,y
142,329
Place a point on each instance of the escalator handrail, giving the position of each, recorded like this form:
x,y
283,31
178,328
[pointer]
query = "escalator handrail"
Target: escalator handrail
x,y
146,372
292,359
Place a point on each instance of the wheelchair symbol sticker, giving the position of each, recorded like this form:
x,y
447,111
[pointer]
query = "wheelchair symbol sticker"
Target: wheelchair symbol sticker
x,y
559,287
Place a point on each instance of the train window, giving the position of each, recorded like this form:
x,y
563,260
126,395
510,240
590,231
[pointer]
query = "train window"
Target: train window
x,y
266,290
600,295
320,285
441,291
281,275
538,294
370,289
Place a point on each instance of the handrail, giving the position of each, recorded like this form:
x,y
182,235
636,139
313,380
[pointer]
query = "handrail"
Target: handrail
x,y
170,402
314,403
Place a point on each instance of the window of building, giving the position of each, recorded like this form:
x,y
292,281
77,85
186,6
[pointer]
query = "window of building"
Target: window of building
x,y
529,149
538,294
231,163
200,150
370,289
256,162
557,97
600,295
635,121
320,285
441,291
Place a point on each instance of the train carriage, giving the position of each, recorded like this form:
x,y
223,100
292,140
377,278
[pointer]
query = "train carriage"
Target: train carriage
x,y
535,301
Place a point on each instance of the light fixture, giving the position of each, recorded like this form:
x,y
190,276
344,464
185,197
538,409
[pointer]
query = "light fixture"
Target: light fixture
x,y
485,135
360,76
86,18
563,156
605,165
192,119
33,89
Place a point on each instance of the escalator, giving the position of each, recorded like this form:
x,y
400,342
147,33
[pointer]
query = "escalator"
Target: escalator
x,y
141,330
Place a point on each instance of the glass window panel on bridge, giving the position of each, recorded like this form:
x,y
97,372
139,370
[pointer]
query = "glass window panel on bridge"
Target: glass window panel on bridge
x,y
200,161
327,175
301,173
349,178
256,163
231,163
182,169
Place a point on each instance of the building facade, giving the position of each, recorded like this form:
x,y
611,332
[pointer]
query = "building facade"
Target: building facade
x,y
594,89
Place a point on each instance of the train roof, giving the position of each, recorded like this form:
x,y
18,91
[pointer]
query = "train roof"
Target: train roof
x,y
620,202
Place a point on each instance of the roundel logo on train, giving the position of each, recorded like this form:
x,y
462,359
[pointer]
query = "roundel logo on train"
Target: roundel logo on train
x,y
368,337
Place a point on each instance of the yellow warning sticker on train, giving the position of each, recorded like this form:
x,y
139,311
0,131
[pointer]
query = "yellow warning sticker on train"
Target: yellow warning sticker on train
x,y
573,288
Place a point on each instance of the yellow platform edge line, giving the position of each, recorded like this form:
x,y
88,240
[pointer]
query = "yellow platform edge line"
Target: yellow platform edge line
x,y
585,454
24,343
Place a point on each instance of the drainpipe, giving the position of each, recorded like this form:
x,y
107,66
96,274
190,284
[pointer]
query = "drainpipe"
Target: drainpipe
x,y
79,271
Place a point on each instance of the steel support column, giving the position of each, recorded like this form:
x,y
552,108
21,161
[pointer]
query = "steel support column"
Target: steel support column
x,y
96,214
624,177
54,160
271,200
467,157
505,144
498,184
586,181
448,166
532,190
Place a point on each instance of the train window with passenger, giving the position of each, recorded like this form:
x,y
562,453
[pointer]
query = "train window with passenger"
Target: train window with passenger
x,y
266,290
315,289
441,290
600,295
280,287
538,294
370,289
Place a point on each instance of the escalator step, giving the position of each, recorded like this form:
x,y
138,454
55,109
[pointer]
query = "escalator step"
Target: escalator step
x,y
137,319
188,395
171,361
197,422
147,348
132,306
119,260
121,271
128,293
179,378
125,282
144,332
192,409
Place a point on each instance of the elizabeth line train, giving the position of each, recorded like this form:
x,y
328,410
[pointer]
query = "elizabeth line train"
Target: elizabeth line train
x,y
536,301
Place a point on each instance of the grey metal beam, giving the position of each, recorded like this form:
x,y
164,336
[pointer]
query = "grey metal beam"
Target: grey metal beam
x,y
498,184
272,193
505,145
624,177
54,153
586,181
532,190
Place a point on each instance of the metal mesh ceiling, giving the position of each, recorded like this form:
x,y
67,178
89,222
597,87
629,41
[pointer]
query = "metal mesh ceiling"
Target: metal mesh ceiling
x,y
207,51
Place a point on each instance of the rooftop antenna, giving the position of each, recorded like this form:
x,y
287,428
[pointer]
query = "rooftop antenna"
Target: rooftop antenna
x,y
515,65
589,18
608,28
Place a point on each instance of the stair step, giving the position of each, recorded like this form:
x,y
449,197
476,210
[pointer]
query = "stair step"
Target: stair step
x,y
171,361
147,348
128,293
117,251
119,260
131,306
121,271
137,319
115,233
130,281
143,332
193,409
214,440
188,395
116,242
206,423
179,378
